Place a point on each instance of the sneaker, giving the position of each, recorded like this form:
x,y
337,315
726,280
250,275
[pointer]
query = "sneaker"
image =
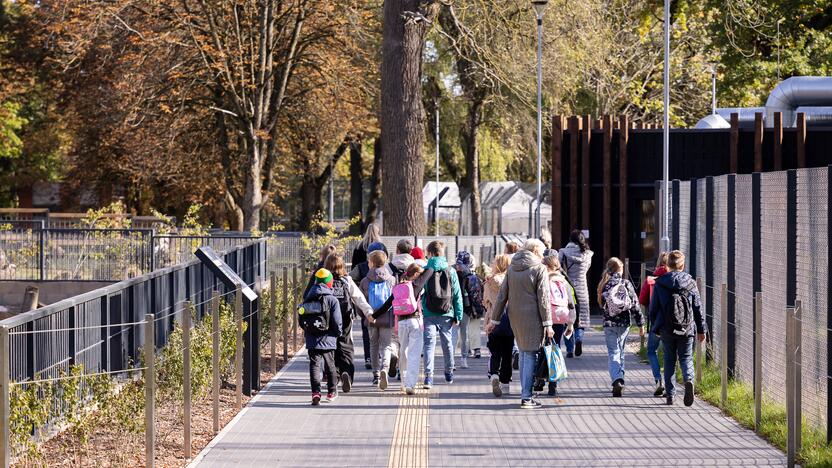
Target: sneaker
x,y
409,391
570,355
382,384
538,385
346,382
331,397
553,389
579,348
428,383
368,364
477,353
463,362
617,388
469,353
659,389
506,388
449,377
316,399
530,404
669,400
496,387
688,394
515,361
394,367
375,381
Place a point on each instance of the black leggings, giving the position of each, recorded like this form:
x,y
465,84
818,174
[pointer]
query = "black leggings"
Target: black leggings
x,y
500,363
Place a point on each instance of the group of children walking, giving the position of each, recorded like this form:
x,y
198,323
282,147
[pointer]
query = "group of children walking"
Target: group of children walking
x,y
408,303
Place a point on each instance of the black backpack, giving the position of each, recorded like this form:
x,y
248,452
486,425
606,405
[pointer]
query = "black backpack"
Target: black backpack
x,y
313,317
678,313
341,292
440,292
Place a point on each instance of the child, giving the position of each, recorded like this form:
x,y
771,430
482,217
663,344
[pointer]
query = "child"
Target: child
x,y
619,300
377,288
561,298
408,312
320,318
501,338
473,311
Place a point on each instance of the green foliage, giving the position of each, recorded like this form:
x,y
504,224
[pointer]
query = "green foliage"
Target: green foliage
x,y
312,245
11,146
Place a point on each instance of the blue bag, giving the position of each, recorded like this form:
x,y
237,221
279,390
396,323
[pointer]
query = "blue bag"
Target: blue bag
x,y
556,363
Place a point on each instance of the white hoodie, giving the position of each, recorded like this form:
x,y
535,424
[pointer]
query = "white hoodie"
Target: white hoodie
x,y
402,261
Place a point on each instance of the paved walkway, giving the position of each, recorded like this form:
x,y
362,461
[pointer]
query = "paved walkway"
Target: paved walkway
x,y
464,425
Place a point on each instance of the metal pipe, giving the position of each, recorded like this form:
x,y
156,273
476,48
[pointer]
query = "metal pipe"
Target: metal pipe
x,y
539,118
665,239
795,92
436,204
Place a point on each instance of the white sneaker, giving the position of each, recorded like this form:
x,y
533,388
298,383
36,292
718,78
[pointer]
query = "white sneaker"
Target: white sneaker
x,y
463,362
496,387
409,390
506,389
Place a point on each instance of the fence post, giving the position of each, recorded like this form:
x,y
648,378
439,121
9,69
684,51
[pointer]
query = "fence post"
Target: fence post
x,y
758,360
42,255
295,293
215,358
797,366
697,345
285,314
273,319
791,448
238,355
723,345
150,391
5,390
186,379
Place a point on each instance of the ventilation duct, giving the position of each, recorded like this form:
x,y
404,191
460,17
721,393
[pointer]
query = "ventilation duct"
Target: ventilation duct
x,y
713,121
798,91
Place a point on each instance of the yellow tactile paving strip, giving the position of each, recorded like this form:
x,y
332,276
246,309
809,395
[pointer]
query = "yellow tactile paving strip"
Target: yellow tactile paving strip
x,y
409,448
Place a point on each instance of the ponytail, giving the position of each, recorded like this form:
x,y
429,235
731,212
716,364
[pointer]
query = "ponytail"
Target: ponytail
x,y
577,237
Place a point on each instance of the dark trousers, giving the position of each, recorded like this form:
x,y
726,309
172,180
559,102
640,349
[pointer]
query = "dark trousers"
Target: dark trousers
x,y
500,363
365,338
677,348
346,350
320,360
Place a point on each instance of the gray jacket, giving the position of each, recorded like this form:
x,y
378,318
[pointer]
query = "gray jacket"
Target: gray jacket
x,y
526,291
576,265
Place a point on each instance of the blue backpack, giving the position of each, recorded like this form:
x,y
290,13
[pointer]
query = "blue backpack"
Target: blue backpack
x,y
378,293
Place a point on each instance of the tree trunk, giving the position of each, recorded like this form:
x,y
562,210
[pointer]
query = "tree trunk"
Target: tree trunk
x,y
311,201
402,115
472,162
356,185
375,186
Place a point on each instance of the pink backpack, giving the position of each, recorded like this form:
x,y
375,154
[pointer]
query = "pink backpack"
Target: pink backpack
x,y
559,300
404,301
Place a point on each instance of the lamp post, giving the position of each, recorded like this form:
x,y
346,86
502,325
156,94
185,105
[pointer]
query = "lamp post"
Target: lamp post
x,y
436,203
665,240
539,7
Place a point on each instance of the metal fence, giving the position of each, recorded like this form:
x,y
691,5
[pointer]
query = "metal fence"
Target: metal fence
x,y
764,233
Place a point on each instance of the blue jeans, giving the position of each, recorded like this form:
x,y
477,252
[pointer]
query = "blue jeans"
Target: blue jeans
x,y
615,338
680,347
577,336
653,342
528,365
442,326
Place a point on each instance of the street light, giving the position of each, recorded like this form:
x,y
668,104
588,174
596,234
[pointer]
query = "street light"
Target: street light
x,y
665,240
539,7
436,202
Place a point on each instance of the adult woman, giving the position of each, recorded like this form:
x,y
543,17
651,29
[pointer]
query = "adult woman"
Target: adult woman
x,y
371,235
575,259
501,340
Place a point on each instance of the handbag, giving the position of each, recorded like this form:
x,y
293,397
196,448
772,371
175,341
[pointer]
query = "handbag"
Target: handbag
x,y
555,362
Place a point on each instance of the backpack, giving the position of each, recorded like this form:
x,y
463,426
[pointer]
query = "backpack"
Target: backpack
x,y
440,292
559,300
340,290
472,296
378,293
404,301
618,299
313,317
678,313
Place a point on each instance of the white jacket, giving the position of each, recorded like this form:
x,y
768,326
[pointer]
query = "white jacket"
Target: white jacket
x,y
359,302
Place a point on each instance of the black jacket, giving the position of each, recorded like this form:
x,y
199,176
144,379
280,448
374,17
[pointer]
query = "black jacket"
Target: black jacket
x,y
666,285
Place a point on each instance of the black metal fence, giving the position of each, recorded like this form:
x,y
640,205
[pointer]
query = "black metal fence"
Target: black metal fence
x,y
764,233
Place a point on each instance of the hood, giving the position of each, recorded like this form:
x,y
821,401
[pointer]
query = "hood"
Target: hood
x,y
377,275
437,263
523,260
574,254
318,290
660,271
676,281
402,261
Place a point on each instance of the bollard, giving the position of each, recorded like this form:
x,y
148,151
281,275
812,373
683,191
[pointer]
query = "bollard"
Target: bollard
x,y
238,355
295,293
149,391
791,448
723,345
758,360
697,344
186,379
5,390
273,326
797,365
285,314
215,358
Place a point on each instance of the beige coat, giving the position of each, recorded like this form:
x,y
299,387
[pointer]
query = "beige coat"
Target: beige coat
x,y
526,291
491,290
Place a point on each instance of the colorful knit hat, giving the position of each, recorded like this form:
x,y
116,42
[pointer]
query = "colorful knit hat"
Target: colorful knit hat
x,y
323,276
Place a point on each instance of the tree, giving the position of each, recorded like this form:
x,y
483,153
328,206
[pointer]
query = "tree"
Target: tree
x,y
406,23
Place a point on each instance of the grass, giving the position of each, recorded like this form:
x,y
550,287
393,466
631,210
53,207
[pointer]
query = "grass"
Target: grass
x,y
740,406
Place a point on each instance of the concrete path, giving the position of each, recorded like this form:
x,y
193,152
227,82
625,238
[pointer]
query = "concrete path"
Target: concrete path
x,y
464,425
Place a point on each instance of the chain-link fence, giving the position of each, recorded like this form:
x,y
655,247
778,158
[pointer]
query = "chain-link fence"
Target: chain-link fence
x,y
763,233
